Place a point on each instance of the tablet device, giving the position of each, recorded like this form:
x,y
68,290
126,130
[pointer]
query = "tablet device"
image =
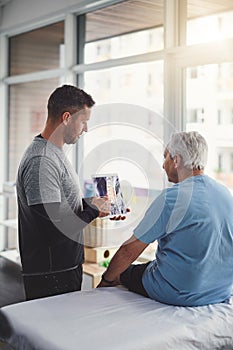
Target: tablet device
x,y
109,185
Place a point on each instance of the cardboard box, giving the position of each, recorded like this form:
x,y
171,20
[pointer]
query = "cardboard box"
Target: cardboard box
x,y
97,255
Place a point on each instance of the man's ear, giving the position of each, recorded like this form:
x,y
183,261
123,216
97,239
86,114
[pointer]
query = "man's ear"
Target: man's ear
x,y
177,161
65,118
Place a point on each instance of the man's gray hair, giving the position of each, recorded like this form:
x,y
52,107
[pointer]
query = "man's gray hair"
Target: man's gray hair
x,y
191,147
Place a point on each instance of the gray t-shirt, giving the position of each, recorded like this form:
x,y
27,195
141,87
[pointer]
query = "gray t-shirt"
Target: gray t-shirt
x,y
45,175
49,210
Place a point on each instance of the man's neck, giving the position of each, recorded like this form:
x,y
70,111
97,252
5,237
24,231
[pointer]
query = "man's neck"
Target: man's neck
x,y
53,133
186,173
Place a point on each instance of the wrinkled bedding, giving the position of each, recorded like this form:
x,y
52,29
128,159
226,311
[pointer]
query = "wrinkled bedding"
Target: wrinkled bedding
x,y
116,319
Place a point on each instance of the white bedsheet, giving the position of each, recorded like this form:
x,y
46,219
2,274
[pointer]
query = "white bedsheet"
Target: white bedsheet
x,y
114,319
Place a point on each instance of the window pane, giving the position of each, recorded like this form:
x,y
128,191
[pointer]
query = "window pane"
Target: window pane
x,y
126,127
27,116
121,30
125,136
209,21
124,45
140,84
31,52
209,94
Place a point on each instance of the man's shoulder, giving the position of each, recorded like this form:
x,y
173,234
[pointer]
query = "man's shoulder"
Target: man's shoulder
x,y
40,147
36,147
40,155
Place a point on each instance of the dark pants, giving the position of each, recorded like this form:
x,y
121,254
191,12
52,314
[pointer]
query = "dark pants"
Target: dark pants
x,y
131,278
46,285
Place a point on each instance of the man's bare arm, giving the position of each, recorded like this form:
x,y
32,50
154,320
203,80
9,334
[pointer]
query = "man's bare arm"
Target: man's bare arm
x,y
126,254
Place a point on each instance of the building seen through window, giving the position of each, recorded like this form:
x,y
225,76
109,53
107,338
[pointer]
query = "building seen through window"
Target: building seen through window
x,y
209,110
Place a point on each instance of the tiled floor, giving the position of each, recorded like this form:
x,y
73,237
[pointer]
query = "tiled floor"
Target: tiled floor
x,y
11,285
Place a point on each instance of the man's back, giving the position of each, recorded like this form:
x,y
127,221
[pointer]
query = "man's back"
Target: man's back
x,y
195,260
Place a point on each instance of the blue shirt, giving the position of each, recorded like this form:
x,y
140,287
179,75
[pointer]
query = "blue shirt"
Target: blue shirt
x,y
193,223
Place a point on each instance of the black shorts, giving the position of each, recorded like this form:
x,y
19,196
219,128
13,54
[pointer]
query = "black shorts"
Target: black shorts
x,y
131,278
45,285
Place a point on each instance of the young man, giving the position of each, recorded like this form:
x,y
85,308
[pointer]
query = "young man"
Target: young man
x,y
193,223
51,211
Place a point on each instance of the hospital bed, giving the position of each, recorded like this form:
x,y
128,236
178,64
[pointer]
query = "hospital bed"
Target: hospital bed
x,y
113,319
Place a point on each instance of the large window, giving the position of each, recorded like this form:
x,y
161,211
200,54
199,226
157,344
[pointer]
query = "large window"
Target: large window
x,y
151,66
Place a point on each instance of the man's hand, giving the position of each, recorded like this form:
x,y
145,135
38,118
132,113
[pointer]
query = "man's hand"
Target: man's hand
x,y
103,204
106,283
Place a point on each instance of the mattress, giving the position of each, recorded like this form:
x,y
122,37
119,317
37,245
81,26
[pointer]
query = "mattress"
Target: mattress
x,y
116,319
